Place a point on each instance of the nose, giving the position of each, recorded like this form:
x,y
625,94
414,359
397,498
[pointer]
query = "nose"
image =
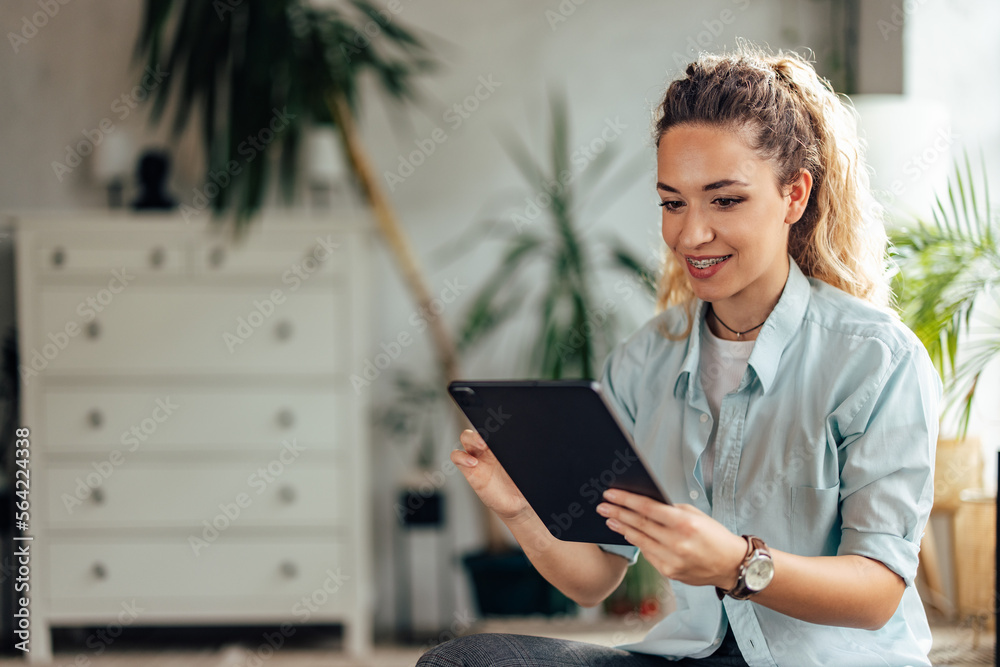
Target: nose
x,y
692,229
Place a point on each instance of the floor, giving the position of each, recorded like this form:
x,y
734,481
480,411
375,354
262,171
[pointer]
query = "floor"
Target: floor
x,y
955,645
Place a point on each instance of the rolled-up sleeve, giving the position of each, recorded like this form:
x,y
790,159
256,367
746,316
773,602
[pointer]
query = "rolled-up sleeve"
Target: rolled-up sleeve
x,y
887,464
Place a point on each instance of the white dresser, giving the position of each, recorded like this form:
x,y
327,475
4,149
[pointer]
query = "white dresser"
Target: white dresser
x,y
198,454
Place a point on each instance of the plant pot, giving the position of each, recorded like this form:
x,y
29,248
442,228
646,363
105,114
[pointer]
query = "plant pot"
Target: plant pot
x,y
975,548
958,466
507,584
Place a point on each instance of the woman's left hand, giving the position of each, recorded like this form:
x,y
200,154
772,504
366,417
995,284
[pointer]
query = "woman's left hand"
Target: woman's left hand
x,y
680,541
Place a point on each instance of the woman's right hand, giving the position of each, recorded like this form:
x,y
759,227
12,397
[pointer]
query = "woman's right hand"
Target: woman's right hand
x,y
488,478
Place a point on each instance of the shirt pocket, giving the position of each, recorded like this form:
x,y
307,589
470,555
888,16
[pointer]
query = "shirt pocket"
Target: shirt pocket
x,y
814,521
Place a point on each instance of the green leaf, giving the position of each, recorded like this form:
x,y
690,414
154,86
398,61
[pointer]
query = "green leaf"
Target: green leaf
x,y
944,271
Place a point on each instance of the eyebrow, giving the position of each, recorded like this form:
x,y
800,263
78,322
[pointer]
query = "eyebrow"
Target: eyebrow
x,y
725,183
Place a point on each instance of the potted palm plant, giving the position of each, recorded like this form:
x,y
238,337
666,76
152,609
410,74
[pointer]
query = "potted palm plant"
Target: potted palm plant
x,y
946,285
232,64
567,325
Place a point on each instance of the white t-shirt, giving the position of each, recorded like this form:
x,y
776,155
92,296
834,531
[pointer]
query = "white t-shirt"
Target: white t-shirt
x,y
722,365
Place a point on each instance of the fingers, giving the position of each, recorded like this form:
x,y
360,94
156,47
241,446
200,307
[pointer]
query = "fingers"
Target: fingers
x,y
475,447
641,505
463,459
472,441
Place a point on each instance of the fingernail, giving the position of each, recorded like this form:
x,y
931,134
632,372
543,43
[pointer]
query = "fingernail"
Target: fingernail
x,y
613,524
611,495
603,509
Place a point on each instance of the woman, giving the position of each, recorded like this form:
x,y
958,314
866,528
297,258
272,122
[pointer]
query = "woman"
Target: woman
x,y
775,396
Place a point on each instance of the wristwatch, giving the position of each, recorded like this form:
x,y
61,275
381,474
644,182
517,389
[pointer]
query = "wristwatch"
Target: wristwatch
x,y
756,571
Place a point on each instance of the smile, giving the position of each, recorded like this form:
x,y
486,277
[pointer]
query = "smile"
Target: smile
x,y
705,263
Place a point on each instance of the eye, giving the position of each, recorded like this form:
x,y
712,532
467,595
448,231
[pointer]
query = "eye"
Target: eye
x,y
671,204
726,202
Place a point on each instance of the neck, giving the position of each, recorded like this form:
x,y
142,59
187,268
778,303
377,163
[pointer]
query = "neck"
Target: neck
x,y
742,312
722,330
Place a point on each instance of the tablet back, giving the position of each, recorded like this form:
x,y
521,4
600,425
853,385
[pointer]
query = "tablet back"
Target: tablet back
x,y
561,445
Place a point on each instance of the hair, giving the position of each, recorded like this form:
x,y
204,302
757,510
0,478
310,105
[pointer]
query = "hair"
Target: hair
x,y
792,118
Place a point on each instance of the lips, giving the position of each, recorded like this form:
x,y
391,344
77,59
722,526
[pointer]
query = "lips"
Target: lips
x,y
704,263
703,268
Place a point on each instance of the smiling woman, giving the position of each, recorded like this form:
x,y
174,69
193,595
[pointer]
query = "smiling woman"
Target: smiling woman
x,y
775,391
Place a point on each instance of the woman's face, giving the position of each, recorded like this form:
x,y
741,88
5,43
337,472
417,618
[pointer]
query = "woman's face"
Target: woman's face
x,y
724,218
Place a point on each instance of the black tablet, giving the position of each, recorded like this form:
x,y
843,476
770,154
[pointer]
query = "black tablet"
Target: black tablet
x,y
562,445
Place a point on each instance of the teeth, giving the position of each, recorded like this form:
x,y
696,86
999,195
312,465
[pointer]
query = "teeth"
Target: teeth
x,y
705,263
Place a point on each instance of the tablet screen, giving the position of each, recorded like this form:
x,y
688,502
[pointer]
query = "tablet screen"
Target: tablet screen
x,y
562,446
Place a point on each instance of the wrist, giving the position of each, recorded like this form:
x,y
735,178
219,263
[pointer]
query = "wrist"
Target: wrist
x,y
730,572
754,572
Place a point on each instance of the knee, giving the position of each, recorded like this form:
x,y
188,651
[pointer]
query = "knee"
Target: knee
x,y
470,651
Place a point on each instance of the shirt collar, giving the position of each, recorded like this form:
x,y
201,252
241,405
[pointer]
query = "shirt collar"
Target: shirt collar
x,y
777,331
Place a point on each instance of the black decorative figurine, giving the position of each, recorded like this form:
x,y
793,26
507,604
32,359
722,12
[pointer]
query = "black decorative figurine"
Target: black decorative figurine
x,y
154,165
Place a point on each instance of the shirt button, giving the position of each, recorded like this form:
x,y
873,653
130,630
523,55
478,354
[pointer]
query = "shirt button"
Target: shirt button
x,y
704,418
693,495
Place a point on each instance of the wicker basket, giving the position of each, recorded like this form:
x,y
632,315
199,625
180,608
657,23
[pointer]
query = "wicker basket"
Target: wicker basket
x,y
958,466
975,546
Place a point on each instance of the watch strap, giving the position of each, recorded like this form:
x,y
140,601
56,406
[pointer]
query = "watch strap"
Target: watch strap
x,y
740,591
721,592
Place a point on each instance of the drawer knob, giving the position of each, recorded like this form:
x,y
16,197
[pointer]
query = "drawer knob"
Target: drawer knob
x,y
157,257
289,569
58,257
97,495
216,257
95,418
283,330
287,493
286,418
93,330
99,570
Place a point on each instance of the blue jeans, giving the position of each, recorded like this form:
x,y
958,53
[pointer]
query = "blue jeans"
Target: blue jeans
x,y
501,650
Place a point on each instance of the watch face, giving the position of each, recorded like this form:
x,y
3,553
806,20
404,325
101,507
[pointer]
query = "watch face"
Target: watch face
x,y
759,573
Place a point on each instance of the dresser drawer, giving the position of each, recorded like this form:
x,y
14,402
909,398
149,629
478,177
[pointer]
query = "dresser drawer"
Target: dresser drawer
x,y
279,574
291,258
176,418
82,258
285,489
153,330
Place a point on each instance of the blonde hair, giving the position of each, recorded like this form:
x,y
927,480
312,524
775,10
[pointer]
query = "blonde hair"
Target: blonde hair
x,y
792,118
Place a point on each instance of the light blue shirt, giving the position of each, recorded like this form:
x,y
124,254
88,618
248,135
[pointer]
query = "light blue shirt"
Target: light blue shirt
x,y
825,448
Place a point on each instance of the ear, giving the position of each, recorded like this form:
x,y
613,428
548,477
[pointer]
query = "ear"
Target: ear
x,y
798,196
